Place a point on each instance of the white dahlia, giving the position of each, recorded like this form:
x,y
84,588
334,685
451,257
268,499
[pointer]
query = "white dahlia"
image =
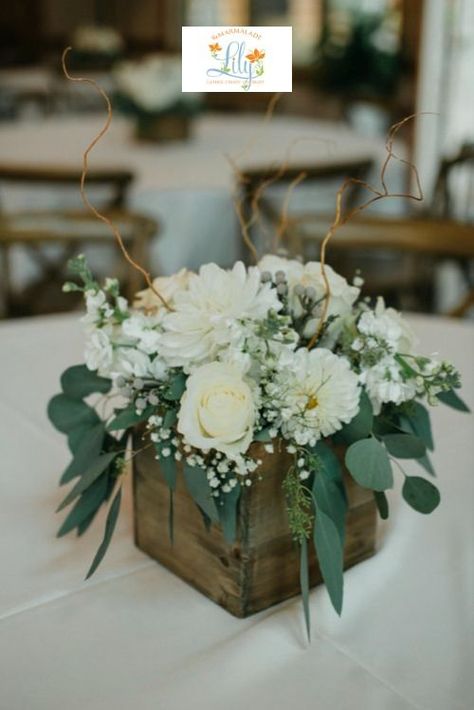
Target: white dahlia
x,y
207,317
314,392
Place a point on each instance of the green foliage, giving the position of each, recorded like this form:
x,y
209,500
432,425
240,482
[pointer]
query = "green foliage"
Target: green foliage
x,y
299,508
78,382
304,584
329,551
382,504
88,449
228,513
92,473
361,426
67,414
109,531
417,420
328,488
369,465
263,435
167,464
176,387
200,490
420,494
404,446
127,417
87,505
453,400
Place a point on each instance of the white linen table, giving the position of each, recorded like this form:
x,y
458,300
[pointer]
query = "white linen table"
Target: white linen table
x,y
187,185
137,637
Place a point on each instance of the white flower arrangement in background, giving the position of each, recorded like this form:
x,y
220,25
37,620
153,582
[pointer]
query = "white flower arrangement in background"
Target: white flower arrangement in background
x,y
152,84
97,39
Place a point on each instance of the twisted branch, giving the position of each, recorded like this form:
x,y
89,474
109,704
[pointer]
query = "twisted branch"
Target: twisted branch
x,y
85,168
378,194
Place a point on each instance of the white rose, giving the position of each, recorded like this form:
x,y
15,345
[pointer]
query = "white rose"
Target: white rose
x,y
342,295
167,286
217,410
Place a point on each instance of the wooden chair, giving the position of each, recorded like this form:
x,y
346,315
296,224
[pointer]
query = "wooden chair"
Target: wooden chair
x,y
71,230
316,177
420,243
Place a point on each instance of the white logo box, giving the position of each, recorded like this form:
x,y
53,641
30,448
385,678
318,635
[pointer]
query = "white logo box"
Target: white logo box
x,y
237,59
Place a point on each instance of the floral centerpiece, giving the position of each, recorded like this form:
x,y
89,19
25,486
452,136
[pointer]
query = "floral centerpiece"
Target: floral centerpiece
x,y
150,91
96,47
208,363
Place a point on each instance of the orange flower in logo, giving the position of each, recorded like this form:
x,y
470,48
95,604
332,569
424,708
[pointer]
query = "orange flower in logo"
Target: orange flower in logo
x,y
215,47
255,56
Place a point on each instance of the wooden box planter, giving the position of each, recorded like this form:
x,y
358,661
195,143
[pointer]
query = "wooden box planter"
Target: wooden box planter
x,y
262,567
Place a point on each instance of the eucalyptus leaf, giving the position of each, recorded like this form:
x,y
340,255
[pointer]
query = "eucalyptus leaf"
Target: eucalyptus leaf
x,y
170,418
369,465
167,467
88,449
304,584
127,417
96,468
78,382
419,423
425,462
76,436
263,435
330,557
88,504
404,446
228,513
361,426
451,399
420,494
200,490
109,531
328,488
176,388
67,414
382,504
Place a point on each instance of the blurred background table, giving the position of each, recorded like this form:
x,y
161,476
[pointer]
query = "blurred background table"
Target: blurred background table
x,y
136,636
188,186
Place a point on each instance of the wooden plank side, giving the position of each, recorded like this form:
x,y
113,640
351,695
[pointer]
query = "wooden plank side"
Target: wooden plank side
x,y
262,568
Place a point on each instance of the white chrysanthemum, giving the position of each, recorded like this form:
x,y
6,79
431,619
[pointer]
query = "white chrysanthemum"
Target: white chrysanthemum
x,y
342,295
315,393
207,316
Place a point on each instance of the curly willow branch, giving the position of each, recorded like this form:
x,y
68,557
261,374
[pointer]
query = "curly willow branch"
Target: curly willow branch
x,y
341,219
85,168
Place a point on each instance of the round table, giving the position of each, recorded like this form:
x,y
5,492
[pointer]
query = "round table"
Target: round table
x,y
135,636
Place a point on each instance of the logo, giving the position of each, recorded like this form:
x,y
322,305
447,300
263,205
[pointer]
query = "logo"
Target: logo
x,y
236,59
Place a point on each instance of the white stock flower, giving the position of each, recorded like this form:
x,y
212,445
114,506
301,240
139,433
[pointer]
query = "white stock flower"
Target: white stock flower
x,y
130,362
208,316
387,324
342,294
99,352
142,329
384,383
217,410
167,286
315,392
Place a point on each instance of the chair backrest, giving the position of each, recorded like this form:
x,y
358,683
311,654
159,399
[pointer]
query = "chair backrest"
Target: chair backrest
x,y
116,181
453,196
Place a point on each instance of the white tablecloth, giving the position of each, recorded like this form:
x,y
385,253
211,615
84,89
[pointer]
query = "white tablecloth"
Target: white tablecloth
x,y
137,637
188,186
